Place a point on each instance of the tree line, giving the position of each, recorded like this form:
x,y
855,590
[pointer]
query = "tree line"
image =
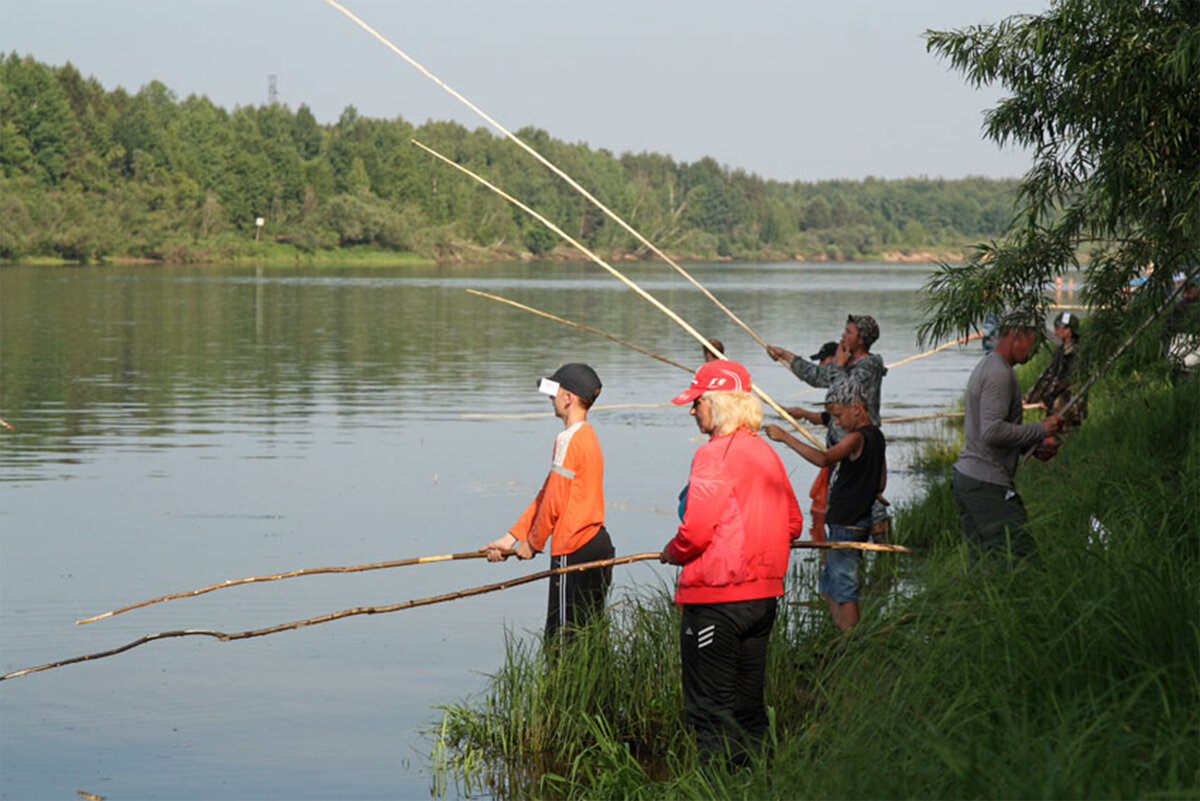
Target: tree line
x,y
90,174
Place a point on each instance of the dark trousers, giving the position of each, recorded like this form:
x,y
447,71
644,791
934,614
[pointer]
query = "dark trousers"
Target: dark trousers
x,y
993,517
576,598
723,650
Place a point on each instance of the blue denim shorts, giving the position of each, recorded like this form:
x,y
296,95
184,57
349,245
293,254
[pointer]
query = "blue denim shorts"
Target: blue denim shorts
x,y
839,579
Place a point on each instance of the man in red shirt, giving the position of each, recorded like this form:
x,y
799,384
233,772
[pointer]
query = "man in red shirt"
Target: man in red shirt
x,y
569,508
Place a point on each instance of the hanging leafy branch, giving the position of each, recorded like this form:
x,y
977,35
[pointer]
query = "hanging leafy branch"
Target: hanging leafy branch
x,y
1106,93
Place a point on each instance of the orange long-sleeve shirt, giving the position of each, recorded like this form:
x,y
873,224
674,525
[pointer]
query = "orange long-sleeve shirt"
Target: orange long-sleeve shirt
x,y
569,508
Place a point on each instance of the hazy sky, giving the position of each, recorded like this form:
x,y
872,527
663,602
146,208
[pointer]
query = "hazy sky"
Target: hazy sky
x,y
803,90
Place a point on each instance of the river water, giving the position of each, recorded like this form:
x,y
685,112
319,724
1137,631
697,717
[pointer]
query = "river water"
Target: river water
x,y
177,427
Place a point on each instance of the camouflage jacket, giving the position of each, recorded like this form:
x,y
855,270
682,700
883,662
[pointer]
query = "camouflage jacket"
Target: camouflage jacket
x,y
867,373
1053,387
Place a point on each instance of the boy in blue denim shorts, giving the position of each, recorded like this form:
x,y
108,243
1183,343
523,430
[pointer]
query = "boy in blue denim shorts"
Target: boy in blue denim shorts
x,y
861,478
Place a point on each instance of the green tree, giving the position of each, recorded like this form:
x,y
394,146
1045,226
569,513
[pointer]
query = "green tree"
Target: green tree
x,y
1107,95
34,108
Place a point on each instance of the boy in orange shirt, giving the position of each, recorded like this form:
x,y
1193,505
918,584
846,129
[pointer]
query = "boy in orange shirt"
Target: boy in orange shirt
x,y
569,509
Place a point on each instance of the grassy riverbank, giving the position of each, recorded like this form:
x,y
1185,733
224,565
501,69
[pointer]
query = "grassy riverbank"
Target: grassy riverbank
x,y
263,254
1077,676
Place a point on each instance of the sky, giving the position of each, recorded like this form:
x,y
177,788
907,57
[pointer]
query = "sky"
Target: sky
x,y
804,90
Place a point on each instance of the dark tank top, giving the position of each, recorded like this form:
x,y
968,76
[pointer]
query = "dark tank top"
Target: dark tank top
x,y
857,481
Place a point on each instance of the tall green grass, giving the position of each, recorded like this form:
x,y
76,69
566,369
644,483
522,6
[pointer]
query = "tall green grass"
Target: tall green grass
x,y
1075,675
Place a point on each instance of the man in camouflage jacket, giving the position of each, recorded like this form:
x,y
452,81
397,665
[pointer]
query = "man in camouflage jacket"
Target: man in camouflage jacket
x,y
856,366
1053,387
854,363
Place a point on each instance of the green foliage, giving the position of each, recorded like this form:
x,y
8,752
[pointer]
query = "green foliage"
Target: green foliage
x,y
162,178
1107,94
1073,676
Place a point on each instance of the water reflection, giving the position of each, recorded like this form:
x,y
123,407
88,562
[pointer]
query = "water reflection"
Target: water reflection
x,y
180,426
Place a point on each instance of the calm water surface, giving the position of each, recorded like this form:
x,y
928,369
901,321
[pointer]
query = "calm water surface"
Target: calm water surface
x,y
178,427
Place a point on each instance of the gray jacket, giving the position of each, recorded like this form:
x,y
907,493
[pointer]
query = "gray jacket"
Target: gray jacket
x,y
994,437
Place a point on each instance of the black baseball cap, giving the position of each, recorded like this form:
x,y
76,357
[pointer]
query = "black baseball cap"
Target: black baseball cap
x,y
578,379
827,350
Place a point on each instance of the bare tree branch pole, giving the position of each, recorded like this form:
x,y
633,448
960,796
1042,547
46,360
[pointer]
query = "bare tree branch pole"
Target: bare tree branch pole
x,y
582,327
703,340
534,415
380,610
1096,375
313,571
938,349
1167,304
570,181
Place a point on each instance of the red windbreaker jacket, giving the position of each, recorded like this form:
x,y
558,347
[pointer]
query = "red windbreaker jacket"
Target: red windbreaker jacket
x,y
738,523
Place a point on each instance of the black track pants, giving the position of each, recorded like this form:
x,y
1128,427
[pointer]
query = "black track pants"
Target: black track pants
x,y
723,650
576,598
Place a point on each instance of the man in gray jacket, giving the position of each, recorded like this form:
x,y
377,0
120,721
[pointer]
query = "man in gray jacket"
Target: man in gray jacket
x,y
993,517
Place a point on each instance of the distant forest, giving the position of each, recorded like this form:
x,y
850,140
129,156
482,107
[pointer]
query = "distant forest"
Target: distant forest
x,y
88,174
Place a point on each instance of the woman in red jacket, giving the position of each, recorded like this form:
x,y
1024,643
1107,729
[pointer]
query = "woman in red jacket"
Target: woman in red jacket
x,y
739,518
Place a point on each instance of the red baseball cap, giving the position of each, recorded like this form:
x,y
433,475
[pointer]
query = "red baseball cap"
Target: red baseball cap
x,y
721,375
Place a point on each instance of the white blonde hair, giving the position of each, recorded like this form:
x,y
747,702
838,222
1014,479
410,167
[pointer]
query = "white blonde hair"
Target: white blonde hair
x,y
733,410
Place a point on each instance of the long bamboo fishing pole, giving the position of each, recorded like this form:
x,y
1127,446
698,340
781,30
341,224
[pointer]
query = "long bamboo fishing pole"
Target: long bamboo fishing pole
x,y
1095,376
312,571
651,354
703,340
434,599
419,560
573,324
536,415
552,167
938,349
943,415
582,327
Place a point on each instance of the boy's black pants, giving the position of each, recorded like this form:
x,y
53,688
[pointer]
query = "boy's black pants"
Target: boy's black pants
x,y
576,598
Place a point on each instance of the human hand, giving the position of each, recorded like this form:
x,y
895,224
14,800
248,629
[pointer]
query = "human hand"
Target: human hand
x,y
1051,423
842,357
524,550
666,558
779,354
1046,450
774,432
499,549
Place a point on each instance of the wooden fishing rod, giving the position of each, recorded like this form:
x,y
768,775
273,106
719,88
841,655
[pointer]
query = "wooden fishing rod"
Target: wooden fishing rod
x,y
582,327
552,167
939,348
434,599
620,277
943,415
312,571
1095,376
585,327
535,415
